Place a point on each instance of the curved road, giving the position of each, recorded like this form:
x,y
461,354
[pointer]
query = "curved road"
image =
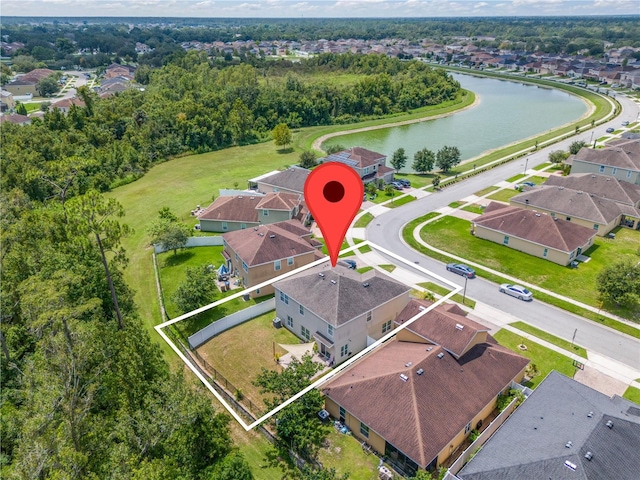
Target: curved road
x,y
386,230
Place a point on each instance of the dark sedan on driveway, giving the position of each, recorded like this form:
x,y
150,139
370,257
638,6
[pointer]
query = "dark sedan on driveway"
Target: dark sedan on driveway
x,y
461,269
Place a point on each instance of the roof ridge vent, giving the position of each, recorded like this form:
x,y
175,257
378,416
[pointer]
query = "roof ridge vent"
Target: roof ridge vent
x,y
609,424
403,377
420,371
408,364
590,415
429,349
441,354
459,326
560,188
422,307
569,444
579,192
365,284
272,236
261,234
537,214
334,282
321,274
588,456
570,465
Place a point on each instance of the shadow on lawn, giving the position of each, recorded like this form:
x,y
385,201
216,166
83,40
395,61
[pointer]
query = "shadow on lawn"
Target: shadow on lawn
x,y
178,259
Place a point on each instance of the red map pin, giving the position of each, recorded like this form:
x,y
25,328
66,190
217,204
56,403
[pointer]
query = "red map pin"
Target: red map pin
x,y
333,192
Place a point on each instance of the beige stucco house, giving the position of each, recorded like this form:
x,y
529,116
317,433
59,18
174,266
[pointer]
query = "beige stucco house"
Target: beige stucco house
x,y
264,252
418,397
620,159
538,234
371,166
238,212
342,310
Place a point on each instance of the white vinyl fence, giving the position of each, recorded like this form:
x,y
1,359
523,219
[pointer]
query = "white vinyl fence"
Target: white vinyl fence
x,y
196,242
230,321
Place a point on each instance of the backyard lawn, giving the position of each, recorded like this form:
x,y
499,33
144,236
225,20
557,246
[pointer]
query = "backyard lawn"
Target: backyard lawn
x,y
544,358
345,454
241,352
452,235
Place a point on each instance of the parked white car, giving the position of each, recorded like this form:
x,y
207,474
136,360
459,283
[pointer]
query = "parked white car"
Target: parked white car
x,y
517,291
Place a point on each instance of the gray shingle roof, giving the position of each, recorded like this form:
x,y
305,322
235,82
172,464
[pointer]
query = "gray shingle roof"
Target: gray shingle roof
x,y
291,179
602,186
341,295
530,445
621,153
569,202
535,227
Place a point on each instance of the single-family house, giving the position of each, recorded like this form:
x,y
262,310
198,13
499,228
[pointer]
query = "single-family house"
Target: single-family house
x,y
290,180
620,159
264,252
563,430
371,166
626,195
575,206
28,83
65,104
342,310
416,398
237,212
117,70
6,101
15,118
538,234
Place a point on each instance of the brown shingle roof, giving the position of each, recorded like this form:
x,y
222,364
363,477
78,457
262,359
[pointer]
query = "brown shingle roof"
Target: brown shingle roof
x,y
440,325
15,118
266,243
280,201
535,227
602,186
67,102
340,294
569,202
422,415
237,208
619,153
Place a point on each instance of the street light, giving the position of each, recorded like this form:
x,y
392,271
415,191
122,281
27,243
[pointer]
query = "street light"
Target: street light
x,y
525,165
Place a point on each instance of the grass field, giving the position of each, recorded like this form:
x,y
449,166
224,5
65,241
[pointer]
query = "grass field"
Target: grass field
x,y
345,454
633,394
484,191
456,204
400,201
364,220
442,291
542,166
452,235
544,358
241,352
558,342
475,208
516,177
388,267
503,195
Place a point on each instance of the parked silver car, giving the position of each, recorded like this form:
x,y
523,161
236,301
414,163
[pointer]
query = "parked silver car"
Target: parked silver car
x,y
517,291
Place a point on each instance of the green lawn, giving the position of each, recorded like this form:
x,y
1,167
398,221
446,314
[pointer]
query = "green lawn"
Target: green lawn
x,y
516,177
537,180
442,291
633,394
364,269
456,204
344,245
364,220
345,454
388,267
542,166
364,248
544,358
452,235
504,195
417,180
241,352
400,201
558,342
475,208
484,191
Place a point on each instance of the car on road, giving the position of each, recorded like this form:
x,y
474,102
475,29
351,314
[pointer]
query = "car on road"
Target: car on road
x,y
610,130
461,269
348,263
517,291
625,123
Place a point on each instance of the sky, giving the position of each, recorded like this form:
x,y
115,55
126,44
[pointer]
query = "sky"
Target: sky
x,y
316,8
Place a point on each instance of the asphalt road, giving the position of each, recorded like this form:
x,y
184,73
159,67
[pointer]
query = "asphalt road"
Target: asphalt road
x,y
386,231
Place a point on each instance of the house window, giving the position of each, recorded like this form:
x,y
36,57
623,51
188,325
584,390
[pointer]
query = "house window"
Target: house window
x,y
369,316
290,261
225,226
628,173
236,257
301,310
284,298
289,321
364,430
467,429
601,168
276,265
553,214
546,251
265,213
595,226
506,240
244,267
330,330
568,219
342,413
573,254
366,170
614,171
344,350
305,333
386,326
243,226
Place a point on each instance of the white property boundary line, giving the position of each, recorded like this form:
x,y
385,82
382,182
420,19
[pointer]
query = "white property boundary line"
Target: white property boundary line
x,y
335,371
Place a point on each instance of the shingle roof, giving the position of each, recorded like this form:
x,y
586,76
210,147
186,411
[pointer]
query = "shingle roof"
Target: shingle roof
x,y
67,102
441,325
340,294
530,445
422,415
357,157
569,202
621,153
534,227
280,201
291,179
14,118
602,186
267,243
